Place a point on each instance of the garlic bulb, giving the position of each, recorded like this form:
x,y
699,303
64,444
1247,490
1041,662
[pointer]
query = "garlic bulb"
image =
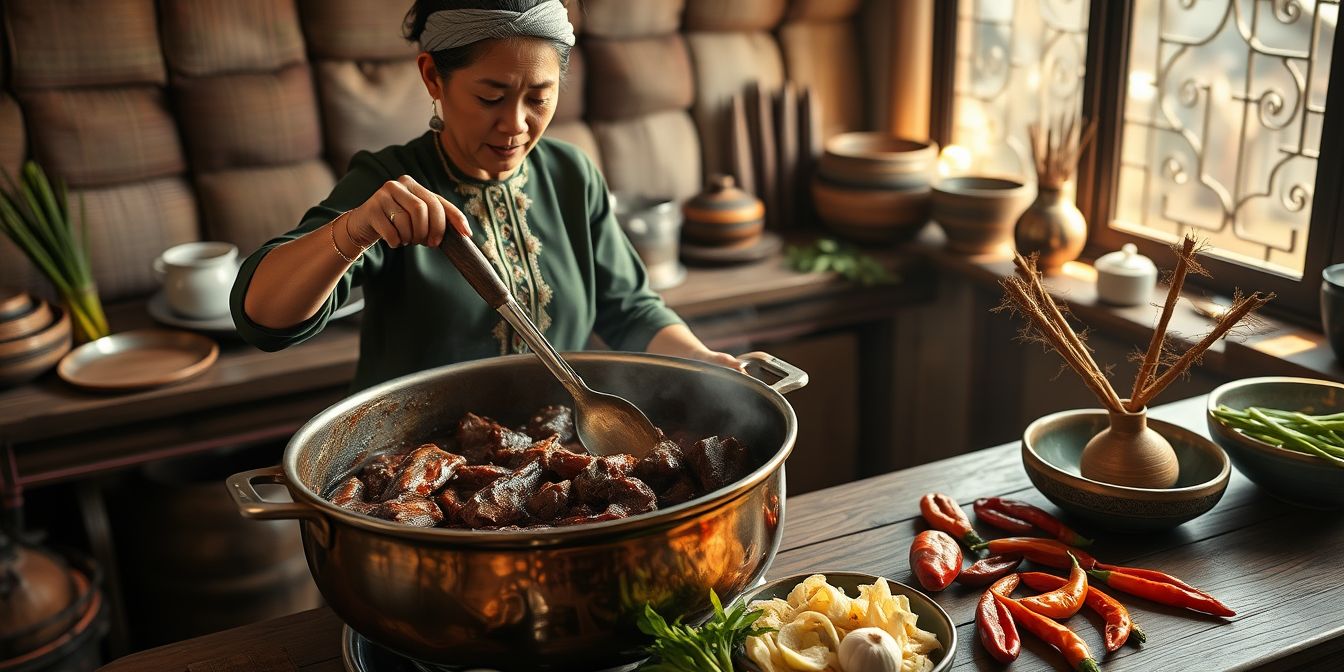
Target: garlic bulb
x,y
869,650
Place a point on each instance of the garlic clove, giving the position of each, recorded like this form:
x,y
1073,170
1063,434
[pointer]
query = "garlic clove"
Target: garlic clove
x,y
870,650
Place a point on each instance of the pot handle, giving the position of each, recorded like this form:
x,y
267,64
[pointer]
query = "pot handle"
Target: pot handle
x,y
251,505
790,377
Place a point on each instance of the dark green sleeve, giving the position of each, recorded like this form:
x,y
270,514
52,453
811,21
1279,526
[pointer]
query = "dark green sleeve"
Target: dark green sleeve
x,y
365,177
629,313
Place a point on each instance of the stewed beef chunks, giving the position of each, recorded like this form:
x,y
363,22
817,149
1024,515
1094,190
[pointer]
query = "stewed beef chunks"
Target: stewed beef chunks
x,y
717,462
489,476
423,472
555,421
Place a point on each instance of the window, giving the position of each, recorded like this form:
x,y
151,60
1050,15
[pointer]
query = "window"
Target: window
x,y
1212,118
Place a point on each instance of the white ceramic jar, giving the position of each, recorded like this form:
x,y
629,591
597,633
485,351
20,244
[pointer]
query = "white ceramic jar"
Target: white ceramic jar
x,y
1126,278
197,278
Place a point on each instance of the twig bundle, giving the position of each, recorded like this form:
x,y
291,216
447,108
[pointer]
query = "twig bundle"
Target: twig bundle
x,y
1055,150
1047,323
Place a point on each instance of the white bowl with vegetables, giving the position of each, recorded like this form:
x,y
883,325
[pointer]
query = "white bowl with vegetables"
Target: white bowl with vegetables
x,y
1285,434
847,622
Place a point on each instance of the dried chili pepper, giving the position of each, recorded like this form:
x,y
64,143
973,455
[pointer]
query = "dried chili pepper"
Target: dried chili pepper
x,y
1160,577
1023,518
935,559
1047,552
998,631
988,570
1065,640
1163,593
1064,601
943,513
1119,624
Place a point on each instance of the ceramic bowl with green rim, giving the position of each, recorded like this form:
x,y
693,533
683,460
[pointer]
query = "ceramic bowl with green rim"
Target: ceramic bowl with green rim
x,y
1297,478
1052,448
930,616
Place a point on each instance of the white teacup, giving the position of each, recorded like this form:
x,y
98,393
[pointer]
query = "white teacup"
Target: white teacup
x,y
197,278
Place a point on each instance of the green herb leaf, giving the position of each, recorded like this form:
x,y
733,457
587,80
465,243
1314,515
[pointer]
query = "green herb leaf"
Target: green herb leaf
x,y
827,255
709,648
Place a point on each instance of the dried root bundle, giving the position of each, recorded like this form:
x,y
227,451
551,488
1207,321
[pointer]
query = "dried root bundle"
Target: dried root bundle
x,y
1160,365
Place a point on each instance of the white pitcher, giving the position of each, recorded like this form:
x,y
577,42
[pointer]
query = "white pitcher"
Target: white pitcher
x,y
197,278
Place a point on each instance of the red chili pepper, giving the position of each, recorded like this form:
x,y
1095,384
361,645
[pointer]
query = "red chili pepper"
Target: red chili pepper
x,y
988,570
1063,602
1163,593
1047,552
943,513
1020,517
1119,624
1160,577
998,631
935,559
1065,640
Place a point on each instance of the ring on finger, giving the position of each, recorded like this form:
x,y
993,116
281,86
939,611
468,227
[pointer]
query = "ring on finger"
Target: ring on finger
x,y
392,216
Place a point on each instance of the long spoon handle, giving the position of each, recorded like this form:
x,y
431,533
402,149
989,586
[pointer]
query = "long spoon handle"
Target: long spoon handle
x,y
481,275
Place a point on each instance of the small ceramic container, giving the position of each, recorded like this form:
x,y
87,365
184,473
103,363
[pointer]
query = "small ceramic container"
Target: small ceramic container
x,y
1126,278
1332,307
197,278
723,215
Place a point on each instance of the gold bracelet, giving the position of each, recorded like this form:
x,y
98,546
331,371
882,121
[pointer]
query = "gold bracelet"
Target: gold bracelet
x,y
332,226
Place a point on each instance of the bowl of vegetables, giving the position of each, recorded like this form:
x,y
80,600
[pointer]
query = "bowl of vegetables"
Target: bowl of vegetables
x,y
846,621
1286,435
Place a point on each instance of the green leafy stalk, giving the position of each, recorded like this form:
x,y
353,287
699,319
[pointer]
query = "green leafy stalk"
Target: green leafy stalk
x,y
35,216
678,647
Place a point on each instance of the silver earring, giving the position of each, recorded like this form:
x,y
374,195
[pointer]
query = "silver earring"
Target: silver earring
x,y
435,121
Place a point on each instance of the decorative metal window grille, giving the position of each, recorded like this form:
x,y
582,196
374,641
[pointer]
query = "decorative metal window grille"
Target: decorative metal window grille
x,y
1222,124
1016,62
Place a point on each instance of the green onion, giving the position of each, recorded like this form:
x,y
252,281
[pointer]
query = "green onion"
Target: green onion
x,y
36,217
1291,430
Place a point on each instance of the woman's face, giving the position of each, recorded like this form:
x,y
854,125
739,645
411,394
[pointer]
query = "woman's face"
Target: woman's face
x,y
496,109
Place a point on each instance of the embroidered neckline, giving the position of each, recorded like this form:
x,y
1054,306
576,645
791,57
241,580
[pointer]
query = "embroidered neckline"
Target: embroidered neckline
x,y
500,209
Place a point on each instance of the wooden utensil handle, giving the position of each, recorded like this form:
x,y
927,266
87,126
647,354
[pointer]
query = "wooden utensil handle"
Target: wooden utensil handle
x,y
468,259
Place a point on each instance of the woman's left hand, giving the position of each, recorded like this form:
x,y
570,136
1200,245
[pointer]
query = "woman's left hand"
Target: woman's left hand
x,y
678,341
722,359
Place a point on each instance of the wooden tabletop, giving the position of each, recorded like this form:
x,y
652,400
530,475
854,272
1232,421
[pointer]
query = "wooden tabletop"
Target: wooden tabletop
x,y
1276,565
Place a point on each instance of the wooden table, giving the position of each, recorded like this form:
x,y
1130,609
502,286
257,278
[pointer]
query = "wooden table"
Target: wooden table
x,y
1276,565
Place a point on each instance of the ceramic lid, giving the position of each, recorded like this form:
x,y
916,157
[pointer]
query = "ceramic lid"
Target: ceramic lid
x,y
1127,262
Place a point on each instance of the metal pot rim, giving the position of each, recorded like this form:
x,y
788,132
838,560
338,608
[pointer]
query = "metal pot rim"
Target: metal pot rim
x,y
549,536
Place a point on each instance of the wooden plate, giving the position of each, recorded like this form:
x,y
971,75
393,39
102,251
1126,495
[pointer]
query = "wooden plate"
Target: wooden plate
x,y
768,244
138,359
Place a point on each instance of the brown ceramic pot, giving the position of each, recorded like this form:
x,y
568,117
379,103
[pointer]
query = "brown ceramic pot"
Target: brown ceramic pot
x,y
1130,453
723,215
1052,227
978,213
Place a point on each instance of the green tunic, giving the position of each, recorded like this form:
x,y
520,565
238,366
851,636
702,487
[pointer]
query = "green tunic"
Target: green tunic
x,y
548,230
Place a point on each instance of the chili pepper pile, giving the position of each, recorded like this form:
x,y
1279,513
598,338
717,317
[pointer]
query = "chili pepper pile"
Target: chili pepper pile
x,y
936,560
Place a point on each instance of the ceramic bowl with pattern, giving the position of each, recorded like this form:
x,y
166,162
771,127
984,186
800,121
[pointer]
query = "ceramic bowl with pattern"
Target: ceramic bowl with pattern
x,y
1052,448
978,213
871,215
1297,478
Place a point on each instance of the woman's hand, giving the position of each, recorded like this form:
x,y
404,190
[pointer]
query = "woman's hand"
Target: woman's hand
x,y
678,341
402,212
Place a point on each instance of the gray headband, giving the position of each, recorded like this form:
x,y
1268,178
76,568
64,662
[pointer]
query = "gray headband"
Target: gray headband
x,y
449,28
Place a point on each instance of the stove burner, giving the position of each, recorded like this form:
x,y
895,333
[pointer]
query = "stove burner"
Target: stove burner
x,y
362,655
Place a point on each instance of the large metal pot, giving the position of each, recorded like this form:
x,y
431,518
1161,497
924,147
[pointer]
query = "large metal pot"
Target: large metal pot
x,y
552,599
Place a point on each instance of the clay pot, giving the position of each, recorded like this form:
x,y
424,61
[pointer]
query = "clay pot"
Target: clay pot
x,y
871,215
1053,227
1131,454
723,215
978,213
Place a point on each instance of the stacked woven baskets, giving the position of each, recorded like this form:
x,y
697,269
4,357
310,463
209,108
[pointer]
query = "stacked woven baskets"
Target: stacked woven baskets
x,y
873,187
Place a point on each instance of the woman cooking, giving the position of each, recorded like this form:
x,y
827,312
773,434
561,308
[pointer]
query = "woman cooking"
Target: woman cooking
x,y
537,208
